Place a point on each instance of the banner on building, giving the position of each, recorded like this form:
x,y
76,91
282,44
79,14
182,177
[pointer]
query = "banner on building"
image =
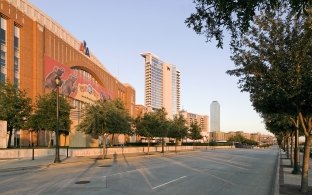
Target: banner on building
x,y
74,83
3,134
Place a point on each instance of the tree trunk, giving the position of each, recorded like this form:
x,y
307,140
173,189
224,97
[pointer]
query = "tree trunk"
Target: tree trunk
x,y
112,142
305,167
37,138
287,146
296,165
148,144
10,136
175,145
50,136
104,146
292,156
162,145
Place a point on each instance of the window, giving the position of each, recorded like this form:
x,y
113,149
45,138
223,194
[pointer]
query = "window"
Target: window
x,y
3,67
16,56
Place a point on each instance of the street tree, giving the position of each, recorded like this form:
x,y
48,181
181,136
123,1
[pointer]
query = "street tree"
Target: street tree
x,y
15,108
194,132
44,115
104,118
146,127
280,124
275,67
118,118
212,17
153,124
177,129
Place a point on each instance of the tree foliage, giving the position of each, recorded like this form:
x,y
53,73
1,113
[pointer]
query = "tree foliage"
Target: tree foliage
x,y
178,129
105,117
44,116
194,132
241,139
15,108
275,67
212,17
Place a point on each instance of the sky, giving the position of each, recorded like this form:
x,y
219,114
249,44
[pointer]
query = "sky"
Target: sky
x,y
118,31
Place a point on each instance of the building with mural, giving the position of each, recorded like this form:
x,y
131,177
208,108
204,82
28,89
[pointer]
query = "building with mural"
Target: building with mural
x,y
35,49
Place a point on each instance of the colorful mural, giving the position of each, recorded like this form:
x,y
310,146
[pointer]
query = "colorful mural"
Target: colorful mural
x,y
73,83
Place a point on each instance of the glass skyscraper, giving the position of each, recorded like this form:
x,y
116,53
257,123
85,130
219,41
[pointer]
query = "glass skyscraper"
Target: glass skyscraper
x,y
162,85
214,116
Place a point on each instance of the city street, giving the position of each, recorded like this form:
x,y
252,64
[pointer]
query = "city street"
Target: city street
x,y
224,172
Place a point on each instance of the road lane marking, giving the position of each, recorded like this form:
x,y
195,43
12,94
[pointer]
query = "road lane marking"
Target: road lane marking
x,y
168,182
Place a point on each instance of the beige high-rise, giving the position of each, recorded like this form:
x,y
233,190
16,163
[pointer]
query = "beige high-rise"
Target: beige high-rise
x,y
162,85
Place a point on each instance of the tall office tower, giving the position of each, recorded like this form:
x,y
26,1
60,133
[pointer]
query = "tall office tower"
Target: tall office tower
x,y
214,116
162,85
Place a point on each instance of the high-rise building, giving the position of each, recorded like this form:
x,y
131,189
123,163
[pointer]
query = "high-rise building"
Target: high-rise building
x,y
214,116
162,85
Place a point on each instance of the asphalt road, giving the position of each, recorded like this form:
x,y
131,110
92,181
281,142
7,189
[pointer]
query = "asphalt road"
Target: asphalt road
x,y
221,172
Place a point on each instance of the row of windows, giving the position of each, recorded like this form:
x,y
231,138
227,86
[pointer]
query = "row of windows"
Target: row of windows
x,y
86,75
3,60
3,68
16,56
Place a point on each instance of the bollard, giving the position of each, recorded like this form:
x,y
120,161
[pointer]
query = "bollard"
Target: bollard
x,y
67,151
33,153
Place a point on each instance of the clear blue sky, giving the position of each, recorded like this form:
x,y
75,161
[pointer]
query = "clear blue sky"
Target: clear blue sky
x,y
117,32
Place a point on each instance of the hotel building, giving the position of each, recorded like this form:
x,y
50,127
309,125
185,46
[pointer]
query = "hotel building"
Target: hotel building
x,y
200,120
162,85
35,49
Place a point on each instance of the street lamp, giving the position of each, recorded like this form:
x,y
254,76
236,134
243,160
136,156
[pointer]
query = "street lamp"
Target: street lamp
x,y
58,83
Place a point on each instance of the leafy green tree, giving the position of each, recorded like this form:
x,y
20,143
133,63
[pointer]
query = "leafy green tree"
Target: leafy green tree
x,y
241,139
274,66
153,124
118,118
178,129
194,132
44,116
145,127
103,118
15,108
212,17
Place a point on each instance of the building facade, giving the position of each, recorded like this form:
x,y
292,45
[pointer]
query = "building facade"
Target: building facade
x,y
214,116
162,85
200,120
35,49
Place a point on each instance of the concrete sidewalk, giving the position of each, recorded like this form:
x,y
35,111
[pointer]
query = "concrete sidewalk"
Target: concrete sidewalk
x,y
289,184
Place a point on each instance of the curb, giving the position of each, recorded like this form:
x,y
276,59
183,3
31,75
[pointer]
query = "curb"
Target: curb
x,y
276,186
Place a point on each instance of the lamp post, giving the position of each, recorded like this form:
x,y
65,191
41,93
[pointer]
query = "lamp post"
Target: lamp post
x,y
58,83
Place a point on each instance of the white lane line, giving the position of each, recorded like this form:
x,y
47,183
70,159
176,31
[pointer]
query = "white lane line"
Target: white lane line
x,y
168,182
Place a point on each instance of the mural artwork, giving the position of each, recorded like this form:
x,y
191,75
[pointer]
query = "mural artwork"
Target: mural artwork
x,y
73,83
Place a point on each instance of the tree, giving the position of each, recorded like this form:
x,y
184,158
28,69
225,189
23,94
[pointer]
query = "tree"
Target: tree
x,y
103,118
194,132
153,124
118,118
15,108
275,68
44,116
241,139
177,129
212,17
